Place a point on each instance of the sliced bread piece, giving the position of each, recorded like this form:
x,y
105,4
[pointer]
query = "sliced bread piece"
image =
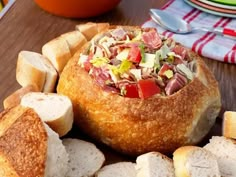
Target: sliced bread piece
x,y
57,163
85,158
102,26
89,30
154,164
229,124
225,151
120,169
27,148
15,98
193,161
30,71
56,110
75,40
58,52
34,69
51,75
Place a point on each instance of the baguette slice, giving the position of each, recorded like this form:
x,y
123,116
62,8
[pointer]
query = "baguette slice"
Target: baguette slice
x,y
193,161
120,169
58,52
30,70
154,164
102,26
229,124
88,29
55,110
34,69
85,158
225,151
28,147
15,98
57,163
75,40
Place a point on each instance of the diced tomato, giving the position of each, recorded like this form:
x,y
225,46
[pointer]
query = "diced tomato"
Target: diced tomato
x,y
134,54
163,69
131,91
148,88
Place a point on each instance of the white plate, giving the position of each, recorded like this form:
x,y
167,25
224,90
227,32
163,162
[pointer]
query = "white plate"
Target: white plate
x,y
218,4
210,11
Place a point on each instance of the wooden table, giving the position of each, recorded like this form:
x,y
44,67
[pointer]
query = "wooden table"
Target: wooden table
x,y
27,27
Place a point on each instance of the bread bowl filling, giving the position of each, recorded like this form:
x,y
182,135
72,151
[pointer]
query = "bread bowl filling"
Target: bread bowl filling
x,y
138,63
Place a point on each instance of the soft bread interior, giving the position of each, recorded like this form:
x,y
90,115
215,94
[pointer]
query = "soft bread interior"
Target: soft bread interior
x,y
154,164
85,158
42,64
57,157
120,169
51,76
56,110
30,70
193,161
225,151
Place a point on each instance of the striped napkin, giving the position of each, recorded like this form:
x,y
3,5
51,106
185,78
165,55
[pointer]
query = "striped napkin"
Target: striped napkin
x,y
204,43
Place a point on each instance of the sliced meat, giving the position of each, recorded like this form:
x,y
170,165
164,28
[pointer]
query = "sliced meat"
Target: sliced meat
x,y
151,39
180,50
175,84
119,34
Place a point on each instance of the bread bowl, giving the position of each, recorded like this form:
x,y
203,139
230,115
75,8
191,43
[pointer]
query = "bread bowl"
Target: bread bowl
x,y
161,119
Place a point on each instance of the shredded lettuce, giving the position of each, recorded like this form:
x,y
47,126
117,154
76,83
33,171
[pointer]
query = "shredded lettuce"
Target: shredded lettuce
x,y
125,66
142,50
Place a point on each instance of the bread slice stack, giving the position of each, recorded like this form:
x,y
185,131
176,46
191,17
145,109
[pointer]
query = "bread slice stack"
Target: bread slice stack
x,y
35,69
55,110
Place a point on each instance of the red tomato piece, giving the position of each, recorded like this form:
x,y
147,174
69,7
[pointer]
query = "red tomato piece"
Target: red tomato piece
x,y
131,91
148,88
163,69
134,54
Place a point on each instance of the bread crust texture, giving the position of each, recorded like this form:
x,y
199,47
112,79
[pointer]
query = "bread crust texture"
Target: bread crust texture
x,y
135,126
23,144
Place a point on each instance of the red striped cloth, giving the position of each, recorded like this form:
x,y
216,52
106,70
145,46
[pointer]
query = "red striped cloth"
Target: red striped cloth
x,y
204,43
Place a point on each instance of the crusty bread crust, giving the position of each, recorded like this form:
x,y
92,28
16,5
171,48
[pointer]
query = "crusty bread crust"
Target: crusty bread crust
x,y
136,126
23,143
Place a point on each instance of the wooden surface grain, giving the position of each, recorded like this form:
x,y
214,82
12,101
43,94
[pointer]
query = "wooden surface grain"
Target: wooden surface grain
x,y
27,27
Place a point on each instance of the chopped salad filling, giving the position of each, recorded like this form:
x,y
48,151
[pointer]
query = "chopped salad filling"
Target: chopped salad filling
x,y
138,63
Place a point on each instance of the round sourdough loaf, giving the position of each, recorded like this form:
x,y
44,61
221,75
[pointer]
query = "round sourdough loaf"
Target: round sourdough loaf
x,y
138,125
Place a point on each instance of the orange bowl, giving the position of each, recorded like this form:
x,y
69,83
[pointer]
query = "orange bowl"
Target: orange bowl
x,y
77,8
